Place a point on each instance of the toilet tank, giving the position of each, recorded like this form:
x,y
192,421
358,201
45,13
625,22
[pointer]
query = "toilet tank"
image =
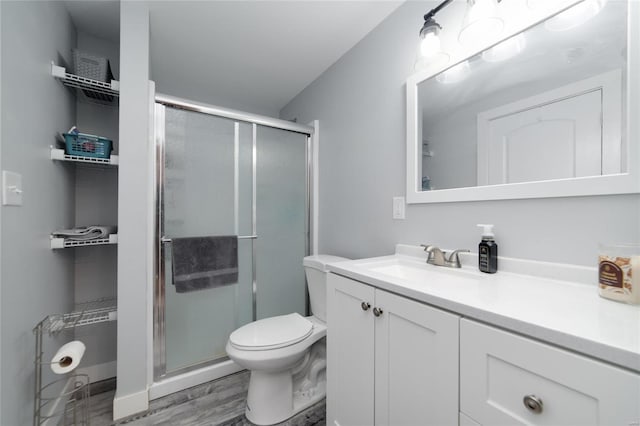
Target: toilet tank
x,y
315,268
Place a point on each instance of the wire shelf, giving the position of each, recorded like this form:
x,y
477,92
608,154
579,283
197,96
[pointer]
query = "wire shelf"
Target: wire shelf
x,y
61,243
93,312
94,90
60,155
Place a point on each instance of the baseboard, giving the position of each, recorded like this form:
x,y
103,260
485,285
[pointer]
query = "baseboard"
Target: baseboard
x,y
128,405
99,372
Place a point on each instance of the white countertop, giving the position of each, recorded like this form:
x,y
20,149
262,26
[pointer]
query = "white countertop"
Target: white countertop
x,y
563,312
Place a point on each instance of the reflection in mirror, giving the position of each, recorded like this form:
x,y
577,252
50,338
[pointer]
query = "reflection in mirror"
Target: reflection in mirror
x,y
542,105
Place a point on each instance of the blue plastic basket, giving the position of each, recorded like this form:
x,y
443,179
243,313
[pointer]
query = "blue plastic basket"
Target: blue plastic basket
x,y
85,145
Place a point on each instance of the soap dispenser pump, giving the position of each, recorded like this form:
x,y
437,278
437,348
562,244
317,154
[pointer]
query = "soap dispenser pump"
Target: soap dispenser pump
x,y
487,250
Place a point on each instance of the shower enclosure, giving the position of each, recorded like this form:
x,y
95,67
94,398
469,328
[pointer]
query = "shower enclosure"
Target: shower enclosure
x,y
222,172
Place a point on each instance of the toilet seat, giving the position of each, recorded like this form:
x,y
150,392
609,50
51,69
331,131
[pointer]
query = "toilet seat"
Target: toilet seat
x,y
272,333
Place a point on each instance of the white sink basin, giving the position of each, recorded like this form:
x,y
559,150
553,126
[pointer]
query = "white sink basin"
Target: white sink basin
x,y
420,272
398,270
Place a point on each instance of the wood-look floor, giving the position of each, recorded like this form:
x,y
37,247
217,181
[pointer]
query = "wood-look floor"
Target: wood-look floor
x,y
219,403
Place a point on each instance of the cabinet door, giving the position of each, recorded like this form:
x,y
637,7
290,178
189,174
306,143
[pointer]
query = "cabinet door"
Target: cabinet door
x,y
416,363
350,370
499,369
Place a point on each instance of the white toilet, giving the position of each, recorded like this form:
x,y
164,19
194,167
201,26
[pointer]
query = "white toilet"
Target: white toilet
x,y
286,354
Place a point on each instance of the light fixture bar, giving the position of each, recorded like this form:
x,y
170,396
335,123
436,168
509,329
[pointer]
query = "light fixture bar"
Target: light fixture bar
x,y
436,9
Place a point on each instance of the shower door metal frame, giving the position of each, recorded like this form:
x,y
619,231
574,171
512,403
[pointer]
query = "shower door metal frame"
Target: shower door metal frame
x,y
159,300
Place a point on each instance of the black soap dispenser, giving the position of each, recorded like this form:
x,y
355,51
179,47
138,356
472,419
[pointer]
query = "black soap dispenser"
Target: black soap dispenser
x,y
487,251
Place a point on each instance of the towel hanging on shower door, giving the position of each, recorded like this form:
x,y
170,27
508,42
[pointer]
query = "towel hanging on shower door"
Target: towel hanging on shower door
x,y
200,263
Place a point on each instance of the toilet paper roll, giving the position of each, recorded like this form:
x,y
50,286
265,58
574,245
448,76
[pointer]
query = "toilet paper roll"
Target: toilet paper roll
x,y
68,357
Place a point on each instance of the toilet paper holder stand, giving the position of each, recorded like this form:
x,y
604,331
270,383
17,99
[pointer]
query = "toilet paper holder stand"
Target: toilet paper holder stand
x,y
72,404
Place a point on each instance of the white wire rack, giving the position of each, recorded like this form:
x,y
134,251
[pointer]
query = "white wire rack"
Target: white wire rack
x,y
94,90
60,243
71,406
60,155
93,312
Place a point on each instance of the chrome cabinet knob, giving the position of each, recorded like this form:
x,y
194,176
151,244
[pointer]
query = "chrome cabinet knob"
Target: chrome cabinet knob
x,y
533,403
377,312
365,306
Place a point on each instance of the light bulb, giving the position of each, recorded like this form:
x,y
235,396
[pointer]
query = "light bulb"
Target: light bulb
x,y
506,49
575,16
430,55
481,23
430,44
454,74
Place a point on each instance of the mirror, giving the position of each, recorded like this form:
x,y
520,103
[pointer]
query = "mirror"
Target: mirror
x,y
540,114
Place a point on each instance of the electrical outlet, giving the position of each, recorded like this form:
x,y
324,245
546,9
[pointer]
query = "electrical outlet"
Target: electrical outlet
x,y
398,207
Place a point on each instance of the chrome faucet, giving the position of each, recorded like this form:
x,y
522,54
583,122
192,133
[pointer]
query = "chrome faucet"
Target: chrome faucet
x,y
437,257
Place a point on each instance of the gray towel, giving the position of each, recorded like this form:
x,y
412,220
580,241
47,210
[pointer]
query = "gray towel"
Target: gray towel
x,y
85,233
201,263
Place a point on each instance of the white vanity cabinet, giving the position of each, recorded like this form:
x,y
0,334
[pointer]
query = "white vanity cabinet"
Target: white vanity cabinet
x,y
516,354
390,360
507,379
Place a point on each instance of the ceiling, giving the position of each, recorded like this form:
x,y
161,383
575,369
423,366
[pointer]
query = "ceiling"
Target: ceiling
x,y
250,55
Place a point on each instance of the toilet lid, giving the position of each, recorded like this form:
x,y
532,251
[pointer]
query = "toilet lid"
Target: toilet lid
x,y
272,333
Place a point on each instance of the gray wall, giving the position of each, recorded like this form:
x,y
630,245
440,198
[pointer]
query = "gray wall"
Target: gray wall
x,y
360,102
176,86
36,280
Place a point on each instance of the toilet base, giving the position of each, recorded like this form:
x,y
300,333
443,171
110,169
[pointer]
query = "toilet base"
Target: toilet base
x,y
277,396
269,398
270,401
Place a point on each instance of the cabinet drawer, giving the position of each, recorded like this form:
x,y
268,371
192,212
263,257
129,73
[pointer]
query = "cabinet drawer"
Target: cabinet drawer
x,y
498,370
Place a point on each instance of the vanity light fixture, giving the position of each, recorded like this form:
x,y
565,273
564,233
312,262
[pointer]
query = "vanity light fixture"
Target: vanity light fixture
x,y
431,53
430,44
481,23
574,16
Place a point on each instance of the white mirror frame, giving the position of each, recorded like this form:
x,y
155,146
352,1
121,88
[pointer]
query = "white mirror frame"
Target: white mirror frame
x,y
622,183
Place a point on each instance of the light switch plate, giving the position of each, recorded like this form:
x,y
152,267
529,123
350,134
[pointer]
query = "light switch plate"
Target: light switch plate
x,y
398,207
11,188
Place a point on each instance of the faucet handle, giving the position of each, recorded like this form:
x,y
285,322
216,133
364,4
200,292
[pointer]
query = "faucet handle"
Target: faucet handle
x,y
435,256
454,259
427,248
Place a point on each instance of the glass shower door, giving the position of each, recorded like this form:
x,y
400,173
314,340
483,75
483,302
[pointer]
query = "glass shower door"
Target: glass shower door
x,y
227,177
208,178
281,221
